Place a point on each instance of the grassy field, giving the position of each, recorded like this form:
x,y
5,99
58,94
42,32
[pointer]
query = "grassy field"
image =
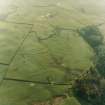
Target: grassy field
x,y
41,51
